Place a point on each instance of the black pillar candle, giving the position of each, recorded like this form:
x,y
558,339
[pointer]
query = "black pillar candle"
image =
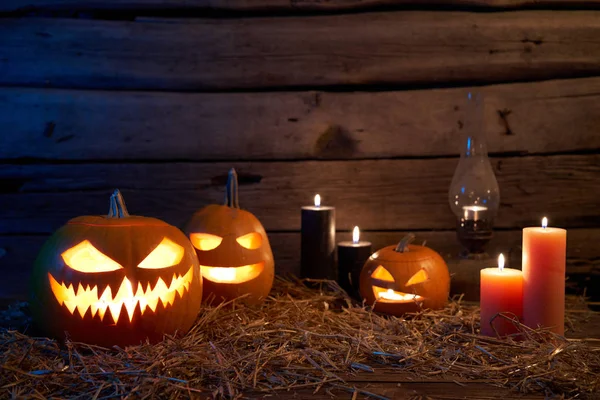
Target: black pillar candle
x,y
351,258
317,257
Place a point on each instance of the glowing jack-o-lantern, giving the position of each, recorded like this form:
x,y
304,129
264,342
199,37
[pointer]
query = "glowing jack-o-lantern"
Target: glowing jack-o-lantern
x,y
405,278
233,250
116,279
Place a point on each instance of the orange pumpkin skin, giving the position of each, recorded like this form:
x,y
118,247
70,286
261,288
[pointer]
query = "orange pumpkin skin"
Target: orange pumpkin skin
x,y
230,223
127,241
421,265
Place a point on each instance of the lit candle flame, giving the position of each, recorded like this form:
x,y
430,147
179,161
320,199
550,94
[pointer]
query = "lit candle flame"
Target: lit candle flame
x,y
544,222
390,295
356,234
317,200
501,261
402,297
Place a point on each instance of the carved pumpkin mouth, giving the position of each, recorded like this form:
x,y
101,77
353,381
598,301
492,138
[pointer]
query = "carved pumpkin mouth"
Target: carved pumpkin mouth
x,y
384,282
386,295
84,298
241,274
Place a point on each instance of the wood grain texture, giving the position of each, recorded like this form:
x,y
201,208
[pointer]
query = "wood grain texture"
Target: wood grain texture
x,y
261,5
376,195
406,48
99,125
18,252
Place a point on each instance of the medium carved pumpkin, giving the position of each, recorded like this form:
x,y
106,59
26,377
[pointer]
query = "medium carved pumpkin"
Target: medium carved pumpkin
x,y
116,280
233,249
405,278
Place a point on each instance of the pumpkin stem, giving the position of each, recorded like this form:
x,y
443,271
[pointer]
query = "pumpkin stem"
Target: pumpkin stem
x,y
231,190
117,209
403,245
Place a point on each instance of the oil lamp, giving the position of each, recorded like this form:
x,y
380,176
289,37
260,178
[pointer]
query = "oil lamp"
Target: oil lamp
x,y
474,196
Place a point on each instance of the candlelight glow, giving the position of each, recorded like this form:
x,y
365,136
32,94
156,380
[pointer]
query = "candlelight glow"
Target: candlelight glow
x,y
99,300
394,296
317,200
241,274
205,241
544,222
472,212
501,261
356,234
166,254
86,258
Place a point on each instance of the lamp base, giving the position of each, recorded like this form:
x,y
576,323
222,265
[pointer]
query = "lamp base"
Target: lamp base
x,y
474,235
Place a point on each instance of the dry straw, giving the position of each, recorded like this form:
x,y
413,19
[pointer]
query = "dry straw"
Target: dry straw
x,y
300,338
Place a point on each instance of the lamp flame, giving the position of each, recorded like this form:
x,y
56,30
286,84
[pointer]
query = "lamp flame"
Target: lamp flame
x,y
544,222
317,200
356,234
501,261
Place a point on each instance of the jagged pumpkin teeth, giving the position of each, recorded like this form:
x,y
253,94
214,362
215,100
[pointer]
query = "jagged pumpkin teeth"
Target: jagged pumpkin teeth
x,y
85,299
116,279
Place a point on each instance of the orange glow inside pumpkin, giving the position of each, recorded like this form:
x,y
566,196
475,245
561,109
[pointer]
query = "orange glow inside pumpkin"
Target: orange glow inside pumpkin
x,y
419,277
84,257
251,241
88,297
232,274
166,254
382,274
205,241
389,295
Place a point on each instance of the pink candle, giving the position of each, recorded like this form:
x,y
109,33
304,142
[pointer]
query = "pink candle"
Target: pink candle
x,y
544,260
501,291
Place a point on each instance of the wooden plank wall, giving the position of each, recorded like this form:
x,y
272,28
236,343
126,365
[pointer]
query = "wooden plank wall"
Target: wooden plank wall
x,y
357,100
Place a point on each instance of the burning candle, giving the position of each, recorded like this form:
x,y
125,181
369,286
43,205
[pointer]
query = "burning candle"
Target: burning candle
x,y
317,256
501,291
394,296
474,213
351,258
544,259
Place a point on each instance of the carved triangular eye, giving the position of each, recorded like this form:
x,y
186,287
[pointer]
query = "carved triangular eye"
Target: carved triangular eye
x,y
205,241
382,274
166,254
251,241
84,257
419,277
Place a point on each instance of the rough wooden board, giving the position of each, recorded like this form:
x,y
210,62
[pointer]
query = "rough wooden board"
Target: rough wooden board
x,y
17,253
99,125
376,195
252,5
408,390
405,48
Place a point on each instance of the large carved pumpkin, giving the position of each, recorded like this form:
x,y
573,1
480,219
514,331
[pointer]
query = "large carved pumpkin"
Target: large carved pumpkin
x,y
116,280
405,278
233,250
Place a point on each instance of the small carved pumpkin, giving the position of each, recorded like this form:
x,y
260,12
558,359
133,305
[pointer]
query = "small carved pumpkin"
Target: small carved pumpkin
x,y
233,249
116,280
405,278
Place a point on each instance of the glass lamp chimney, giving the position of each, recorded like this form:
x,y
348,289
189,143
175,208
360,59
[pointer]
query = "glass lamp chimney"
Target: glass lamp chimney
x,y
474,196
